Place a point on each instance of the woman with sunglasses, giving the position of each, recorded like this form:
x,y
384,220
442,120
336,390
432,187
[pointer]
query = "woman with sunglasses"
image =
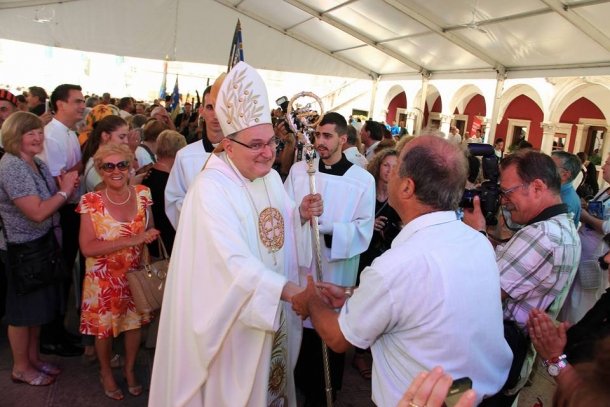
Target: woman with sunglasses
x,y
115,223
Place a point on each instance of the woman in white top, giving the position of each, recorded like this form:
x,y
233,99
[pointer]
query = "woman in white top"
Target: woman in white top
x,y
111,129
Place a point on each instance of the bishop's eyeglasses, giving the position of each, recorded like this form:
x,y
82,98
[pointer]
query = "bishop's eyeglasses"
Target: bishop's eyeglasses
x,y
259,145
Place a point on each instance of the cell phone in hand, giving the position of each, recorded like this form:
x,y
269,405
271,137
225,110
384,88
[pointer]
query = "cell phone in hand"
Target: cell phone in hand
x,y
456,390
144,168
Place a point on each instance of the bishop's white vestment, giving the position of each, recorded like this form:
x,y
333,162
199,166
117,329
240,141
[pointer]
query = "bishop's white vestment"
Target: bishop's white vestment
x,y
222,300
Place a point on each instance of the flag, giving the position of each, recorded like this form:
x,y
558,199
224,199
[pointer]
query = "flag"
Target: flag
x,y
476,125
237,48
163,89
175,104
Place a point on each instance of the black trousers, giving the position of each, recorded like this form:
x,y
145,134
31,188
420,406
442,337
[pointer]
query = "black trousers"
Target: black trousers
x,y
519,344
309,371
53,332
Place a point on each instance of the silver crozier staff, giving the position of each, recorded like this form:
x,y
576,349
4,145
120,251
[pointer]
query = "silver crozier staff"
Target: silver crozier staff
x,y
308,130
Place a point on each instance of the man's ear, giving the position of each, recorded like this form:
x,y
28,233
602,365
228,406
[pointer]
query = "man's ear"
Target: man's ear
x,y
538,185
406,188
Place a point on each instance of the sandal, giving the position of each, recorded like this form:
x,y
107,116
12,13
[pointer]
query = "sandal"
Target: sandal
x,y
40,379
359,363
135,390
116,394
48,368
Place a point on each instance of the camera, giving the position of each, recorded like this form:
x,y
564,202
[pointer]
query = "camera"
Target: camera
x,y
489,191
282,104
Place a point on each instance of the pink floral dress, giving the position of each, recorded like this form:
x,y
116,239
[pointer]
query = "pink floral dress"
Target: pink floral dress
x,y
107,306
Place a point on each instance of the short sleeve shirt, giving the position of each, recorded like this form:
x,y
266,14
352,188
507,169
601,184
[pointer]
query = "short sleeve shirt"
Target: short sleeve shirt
x,y
18,179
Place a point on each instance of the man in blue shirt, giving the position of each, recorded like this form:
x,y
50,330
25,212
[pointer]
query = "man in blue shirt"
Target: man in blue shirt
x,y
568,166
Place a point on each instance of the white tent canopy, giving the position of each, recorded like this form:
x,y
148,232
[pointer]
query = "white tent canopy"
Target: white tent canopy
x,y
386,39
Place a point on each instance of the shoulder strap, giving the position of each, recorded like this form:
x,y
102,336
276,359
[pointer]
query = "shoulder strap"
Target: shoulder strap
x,y
148,150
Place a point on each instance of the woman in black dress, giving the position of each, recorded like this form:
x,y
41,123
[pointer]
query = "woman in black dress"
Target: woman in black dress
x,y
168,144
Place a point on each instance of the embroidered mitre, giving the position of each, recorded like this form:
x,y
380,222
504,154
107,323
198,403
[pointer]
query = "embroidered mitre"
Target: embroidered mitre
x,y
242,100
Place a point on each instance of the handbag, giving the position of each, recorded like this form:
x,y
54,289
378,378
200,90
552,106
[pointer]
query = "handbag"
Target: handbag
x,y
35,264
147,282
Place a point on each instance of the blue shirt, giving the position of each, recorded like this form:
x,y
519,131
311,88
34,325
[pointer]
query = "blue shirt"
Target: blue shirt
x,y
571,198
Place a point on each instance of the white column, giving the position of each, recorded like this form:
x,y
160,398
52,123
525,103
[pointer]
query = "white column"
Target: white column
x,y
548,134
445,123
580,139
410,122
373,97
490,132
419,120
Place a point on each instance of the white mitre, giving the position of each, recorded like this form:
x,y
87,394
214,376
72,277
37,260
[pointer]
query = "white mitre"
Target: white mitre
x,y
242,100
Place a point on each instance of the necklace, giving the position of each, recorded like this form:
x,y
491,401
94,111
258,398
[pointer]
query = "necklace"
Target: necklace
x,y
118,203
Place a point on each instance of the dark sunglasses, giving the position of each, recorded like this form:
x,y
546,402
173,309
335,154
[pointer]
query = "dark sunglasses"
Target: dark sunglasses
x,y
121,165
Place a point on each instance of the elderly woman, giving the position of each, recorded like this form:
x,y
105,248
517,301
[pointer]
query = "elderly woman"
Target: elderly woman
x,y
110,129
146,153
115,223
29,200
168,144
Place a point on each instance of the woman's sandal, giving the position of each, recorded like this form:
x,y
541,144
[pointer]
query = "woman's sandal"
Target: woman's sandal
x,y
133,390
359,363
41,379
116,394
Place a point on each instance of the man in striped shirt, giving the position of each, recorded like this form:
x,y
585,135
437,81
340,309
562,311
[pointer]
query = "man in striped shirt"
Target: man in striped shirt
x,y
541,258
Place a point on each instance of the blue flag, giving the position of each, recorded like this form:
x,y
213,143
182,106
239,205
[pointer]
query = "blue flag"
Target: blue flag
x,y
237,48
175,97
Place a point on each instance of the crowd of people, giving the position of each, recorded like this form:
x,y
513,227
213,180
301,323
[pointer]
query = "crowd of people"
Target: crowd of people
x,y
276,249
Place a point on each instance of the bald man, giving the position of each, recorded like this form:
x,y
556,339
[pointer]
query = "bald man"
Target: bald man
x,y
419,304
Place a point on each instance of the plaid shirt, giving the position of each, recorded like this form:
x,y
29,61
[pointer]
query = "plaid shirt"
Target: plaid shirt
x,y
535,265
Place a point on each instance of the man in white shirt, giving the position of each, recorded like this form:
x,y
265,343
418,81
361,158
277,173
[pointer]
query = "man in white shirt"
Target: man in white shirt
x,y
419,304
371,134
190,159
454,135
62,154
350,148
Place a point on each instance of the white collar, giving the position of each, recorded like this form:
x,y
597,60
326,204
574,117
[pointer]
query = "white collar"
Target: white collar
x,y
423,222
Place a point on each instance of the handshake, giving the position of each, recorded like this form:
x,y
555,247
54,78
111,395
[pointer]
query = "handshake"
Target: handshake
x,y
319,296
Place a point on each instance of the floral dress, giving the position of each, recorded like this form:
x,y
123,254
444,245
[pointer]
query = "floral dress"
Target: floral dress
x,y
107,306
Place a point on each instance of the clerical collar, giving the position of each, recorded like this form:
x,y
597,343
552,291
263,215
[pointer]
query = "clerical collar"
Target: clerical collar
x,y
339,168
549,212
207,145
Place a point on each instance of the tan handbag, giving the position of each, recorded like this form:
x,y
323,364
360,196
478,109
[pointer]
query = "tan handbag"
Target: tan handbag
x,y
147,282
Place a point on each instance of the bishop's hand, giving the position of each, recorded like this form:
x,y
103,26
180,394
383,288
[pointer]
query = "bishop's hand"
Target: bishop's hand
x,y
333,295
300,301
311,205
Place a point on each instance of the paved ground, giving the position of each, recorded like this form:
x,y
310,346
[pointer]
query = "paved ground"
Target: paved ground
x,y
79,385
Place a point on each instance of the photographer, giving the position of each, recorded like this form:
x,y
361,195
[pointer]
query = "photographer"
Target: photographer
x,y
541,258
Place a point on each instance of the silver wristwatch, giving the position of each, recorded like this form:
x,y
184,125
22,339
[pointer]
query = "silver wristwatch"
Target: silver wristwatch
x,y
555,365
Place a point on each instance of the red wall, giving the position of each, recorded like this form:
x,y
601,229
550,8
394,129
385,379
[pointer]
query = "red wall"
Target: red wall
x,y
522,107
475,107
438,105
581,108
399,101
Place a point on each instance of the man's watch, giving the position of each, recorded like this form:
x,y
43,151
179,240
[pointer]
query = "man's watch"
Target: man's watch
x,y
555,365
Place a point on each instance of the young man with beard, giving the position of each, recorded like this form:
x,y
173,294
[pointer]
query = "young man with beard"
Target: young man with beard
x,y
190,159
346,228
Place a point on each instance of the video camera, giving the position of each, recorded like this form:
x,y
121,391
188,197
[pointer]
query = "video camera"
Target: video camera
x,y
489,191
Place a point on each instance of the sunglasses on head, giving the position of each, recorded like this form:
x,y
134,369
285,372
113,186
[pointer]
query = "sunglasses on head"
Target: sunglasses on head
x,y
121,165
